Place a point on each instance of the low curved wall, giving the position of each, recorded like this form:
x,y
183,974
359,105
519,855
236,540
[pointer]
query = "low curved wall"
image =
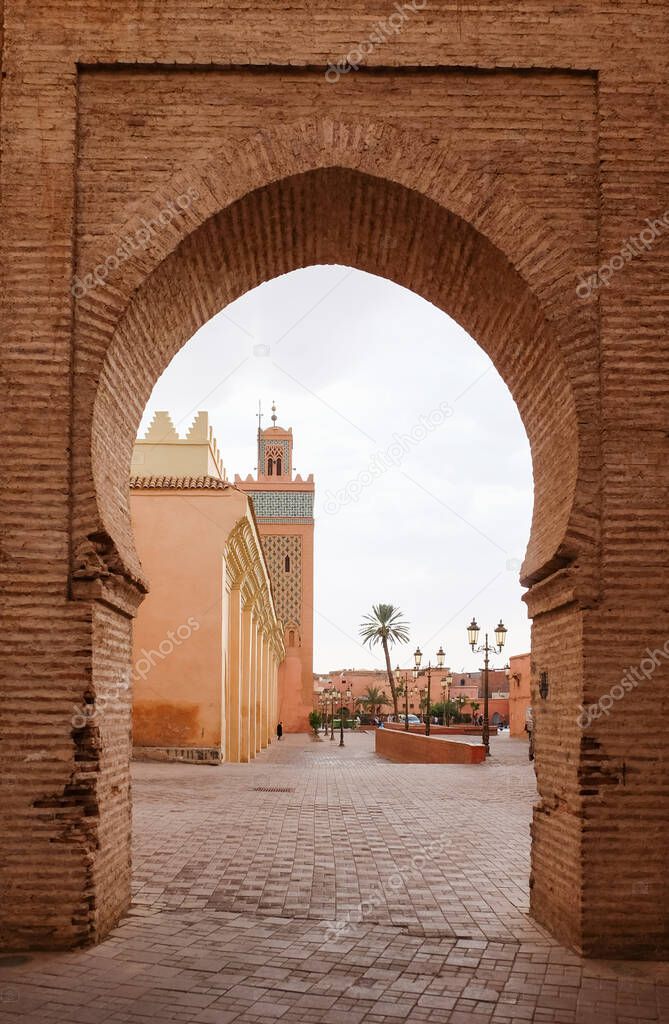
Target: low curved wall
x,y
442,730
412,748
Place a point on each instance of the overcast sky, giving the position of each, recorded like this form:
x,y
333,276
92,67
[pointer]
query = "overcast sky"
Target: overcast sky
x,y
422,465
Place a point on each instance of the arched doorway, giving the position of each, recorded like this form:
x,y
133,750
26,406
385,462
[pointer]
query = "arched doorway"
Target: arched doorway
x,y
378,200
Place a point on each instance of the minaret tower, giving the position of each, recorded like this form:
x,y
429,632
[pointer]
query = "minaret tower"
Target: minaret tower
x,y
284,508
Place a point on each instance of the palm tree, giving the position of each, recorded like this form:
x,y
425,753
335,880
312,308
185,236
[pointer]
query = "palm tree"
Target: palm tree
x,y
373,698
385,626
474,705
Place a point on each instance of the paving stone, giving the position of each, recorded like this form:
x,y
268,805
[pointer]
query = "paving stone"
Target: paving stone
x,y
256,960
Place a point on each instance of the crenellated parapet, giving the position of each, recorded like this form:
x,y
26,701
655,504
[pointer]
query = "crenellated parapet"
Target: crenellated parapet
x,y
163,452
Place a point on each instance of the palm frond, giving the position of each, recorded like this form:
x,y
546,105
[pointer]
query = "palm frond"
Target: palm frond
x,y
384,622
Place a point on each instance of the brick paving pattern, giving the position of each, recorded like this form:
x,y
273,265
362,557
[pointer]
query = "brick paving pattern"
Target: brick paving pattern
x,y
327,885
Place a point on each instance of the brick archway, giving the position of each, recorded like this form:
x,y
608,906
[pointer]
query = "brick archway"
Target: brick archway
x,y
387,202
377,199
101,106
401,206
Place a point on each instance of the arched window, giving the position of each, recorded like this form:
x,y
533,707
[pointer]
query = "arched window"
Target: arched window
x,y
291,638
286,564
278,467
270,467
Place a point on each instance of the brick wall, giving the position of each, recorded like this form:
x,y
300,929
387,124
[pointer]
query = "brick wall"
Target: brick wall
x,y
408,748
487,156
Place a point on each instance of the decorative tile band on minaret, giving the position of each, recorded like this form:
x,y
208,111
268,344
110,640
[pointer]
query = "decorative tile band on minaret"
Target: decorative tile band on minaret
x,y
283,506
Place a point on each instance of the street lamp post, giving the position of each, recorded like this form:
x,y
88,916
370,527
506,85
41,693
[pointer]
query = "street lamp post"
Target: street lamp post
x,y
486,649
341,711
350,700
440,664
415,692
406,703
333,693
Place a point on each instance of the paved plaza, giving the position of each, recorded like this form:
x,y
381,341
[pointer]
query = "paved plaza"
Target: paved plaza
x,y
321,884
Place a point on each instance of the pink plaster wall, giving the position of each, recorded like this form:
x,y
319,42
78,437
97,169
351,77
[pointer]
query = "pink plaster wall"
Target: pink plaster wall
x,y
181,537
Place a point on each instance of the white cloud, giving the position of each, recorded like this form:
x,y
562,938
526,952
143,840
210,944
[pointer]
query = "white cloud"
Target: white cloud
x,y
352,360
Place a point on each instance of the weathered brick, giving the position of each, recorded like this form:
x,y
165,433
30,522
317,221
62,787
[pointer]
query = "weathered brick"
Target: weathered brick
x,y
488,155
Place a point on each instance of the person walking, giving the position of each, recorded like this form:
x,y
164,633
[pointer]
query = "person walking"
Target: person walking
x,y
279,730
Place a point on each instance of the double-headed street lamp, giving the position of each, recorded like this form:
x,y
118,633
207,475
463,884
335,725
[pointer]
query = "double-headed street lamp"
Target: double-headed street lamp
x,y
486,649
332,695
348,693
440,664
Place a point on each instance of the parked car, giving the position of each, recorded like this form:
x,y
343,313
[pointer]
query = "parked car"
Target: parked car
x,y
413,719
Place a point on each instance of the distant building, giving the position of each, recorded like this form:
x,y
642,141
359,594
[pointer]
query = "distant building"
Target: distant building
x,y
207,640
446,684
284,510
358,681
519,692
471,684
